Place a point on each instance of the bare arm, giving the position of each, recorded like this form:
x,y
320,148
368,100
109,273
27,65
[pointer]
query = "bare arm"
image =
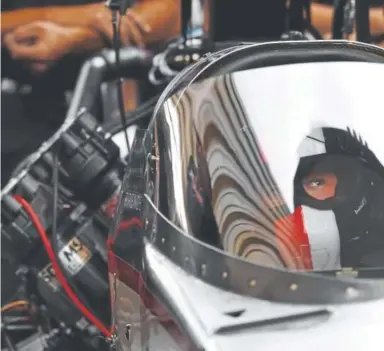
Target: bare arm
x,y
13,19
50,42
163,16
322,17
75,16
377,21
86,40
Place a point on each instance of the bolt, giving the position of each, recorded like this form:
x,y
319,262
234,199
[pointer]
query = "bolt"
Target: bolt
x,y
128,329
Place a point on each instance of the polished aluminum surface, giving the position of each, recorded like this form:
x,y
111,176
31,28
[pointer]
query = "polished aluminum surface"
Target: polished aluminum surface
x,y
210,200
228,150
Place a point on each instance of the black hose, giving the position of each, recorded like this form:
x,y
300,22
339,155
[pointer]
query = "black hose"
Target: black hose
x,y
338,18
116,24
143,113
363,32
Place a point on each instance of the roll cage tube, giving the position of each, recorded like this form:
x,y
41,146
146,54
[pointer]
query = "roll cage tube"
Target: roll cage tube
x,y
134,62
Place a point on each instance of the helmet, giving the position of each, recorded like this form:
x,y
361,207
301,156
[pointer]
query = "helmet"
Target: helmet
x,y
259,179
338,189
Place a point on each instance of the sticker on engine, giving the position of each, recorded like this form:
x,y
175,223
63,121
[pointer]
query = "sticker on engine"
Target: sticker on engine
x,y
82,323
74,256
49,276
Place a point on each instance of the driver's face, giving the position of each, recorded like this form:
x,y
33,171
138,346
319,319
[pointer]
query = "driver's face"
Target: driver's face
x,y
320,186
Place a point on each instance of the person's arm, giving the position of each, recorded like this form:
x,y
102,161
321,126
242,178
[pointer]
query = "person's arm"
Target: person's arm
x,y
162,16
81,15
149,21
48,42
376,17
86,40
80,40
322,18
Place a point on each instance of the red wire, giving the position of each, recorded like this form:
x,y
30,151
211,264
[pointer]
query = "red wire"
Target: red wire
x,y
60,276
123,226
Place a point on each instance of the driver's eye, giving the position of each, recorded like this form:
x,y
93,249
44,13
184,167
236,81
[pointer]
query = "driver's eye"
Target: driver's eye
x,y
320,186
314,183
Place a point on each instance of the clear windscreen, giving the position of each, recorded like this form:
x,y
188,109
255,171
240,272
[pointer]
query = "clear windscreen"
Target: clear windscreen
x,y
281,166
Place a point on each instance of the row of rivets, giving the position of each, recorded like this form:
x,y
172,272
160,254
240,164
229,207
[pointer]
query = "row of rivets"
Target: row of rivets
x,y
350,292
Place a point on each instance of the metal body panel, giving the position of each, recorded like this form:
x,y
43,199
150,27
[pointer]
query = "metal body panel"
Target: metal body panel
x,y
267,325
197,174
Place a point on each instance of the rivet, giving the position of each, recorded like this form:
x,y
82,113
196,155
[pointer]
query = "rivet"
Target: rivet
x,y
351,293
186,259
162,240
195,57
178,58
224,275
173,248
127,332
252,283
293,287
203,269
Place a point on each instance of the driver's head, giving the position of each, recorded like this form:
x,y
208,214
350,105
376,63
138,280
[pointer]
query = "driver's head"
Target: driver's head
x,y
339,188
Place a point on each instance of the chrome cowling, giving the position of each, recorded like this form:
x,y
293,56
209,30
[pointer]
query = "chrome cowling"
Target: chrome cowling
x,y
180,276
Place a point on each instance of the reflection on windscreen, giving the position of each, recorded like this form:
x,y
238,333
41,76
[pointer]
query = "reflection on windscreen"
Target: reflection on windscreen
x,y
288,163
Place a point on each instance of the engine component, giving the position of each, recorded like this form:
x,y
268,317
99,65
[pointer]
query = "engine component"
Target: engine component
x,y
71,216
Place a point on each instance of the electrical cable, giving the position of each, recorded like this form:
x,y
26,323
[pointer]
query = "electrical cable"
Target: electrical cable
x,y
13,305
54,235
59,274
142,113
55,181
116,24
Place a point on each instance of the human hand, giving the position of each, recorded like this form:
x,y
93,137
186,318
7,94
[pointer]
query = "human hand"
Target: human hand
x,y
39,44
132,27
